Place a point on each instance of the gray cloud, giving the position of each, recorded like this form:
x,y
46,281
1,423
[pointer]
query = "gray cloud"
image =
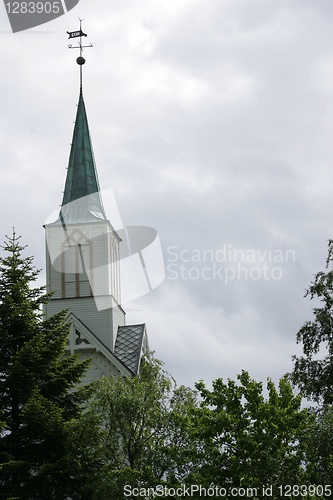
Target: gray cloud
x,y
212,122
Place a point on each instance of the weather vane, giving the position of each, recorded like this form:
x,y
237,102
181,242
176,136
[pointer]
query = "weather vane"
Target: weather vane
x,y
75,34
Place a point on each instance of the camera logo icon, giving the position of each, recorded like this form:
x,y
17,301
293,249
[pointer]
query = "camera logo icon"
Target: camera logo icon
x,y
136,266
25,15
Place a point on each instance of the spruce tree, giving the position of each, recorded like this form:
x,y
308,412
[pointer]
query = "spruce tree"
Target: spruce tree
x,y
38,394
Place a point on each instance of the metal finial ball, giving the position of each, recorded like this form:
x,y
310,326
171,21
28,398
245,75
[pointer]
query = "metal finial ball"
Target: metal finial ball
x,y
80,60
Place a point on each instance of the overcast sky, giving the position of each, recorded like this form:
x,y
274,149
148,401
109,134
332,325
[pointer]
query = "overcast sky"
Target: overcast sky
x,y
212,121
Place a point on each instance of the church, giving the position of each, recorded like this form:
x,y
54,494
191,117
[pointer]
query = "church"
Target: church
x,y
83,268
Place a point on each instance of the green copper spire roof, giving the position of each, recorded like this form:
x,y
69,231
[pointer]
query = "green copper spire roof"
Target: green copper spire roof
x,y
82,200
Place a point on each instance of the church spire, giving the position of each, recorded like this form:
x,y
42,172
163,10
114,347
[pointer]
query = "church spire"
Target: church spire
x,y
81,201
82,179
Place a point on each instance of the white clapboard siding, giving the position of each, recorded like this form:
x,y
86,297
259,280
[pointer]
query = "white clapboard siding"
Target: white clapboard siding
x,y
99,246
84,288
118,320
99,322
53,244
99,366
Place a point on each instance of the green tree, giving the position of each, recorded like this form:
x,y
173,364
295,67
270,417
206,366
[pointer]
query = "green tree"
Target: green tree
x,y
250,442
141,430
37,397
318,447
314,377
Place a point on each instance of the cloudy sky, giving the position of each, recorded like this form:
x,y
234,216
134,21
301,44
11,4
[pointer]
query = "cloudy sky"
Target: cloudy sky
x,y
212,121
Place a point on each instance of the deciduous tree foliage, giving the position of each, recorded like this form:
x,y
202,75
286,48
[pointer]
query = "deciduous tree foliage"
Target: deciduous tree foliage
x,y
36,388
140,427
318,446
250,441
314,377
142,432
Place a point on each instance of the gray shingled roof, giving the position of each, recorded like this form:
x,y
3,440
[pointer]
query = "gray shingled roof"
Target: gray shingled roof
x,y
128,345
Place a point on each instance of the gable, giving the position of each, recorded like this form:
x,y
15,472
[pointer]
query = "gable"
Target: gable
x,y
82,341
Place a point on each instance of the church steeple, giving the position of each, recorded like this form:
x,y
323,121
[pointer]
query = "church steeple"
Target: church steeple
x,y
83,265
82,200
82,179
